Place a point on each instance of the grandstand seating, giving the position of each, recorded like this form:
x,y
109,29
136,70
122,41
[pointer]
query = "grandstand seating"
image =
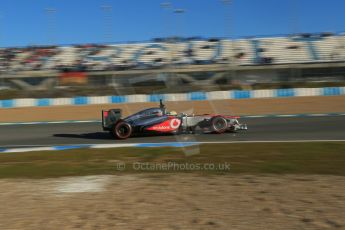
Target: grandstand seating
x,y
304,48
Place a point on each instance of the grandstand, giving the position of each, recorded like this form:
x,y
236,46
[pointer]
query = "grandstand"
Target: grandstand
x,y
304,48
195,62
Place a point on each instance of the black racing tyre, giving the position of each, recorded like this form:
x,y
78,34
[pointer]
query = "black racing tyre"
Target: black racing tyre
x,y
122,130
219,124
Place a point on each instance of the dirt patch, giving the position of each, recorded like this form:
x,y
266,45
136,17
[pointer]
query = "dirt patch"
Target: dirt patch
x,y
179,201
238,107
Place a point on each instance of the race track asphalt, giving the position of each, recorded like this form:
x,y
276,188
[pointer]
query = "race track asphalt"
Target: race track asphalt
x,y
259,129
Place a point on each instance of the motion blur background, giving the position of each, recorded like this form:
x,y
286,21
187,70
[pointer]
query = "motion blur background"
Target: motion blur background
x,y
63,61
64,48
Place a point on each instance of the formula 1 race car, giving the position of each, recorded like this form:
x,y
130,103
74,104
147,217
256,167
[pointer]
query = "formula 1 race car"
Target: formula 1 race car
x,y
159,121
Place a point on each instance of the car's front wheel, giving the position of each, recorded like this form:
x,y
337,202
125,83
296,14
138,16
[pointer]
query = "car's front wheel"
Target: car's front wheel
x,y
219,124
122,130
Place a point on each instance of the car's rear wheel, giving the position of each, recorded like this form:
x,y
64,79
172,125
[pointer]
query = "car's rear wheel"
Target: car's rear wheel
x,y
122,130
219,124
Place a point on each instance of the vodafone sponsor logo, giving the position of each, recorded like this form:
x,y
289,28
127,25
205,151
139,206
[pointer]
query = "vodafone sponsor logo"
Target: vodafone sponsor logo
x,y
167,126
161,127
175,123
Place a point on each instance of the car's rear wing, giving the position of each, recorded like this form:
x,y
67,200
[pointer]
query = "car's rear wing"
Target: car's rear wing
x,y
110,117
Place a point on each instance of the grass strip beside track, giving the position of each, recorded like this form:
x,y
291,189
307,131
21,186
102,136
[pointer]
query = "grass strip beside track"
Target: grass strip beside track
x,y
254,158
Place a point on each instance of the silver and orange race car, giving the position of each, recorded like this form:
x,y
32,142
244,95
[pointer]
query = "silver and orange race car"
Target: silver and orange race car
x,y
160,121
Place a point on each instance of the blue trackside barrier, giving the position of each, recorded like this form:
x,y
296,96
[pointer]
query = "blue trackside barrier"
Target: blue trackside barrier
x,y
193,96
7,103
332,91
156,97
285,92
43,102
80,101
198,96
118,99
241,94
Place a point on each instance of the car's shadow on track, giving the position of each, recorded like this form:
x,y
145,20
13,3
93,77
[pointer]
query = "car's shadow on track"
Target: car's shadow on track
x,y
107,136
96,135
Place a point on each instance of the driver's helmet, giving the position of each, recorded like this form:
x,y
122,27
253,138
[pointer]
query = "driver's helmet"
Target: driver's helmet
x,y
172,113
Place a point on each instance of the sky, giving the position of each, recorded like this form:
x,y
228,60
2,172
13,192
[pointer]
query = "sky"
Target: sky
x,y
46,22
